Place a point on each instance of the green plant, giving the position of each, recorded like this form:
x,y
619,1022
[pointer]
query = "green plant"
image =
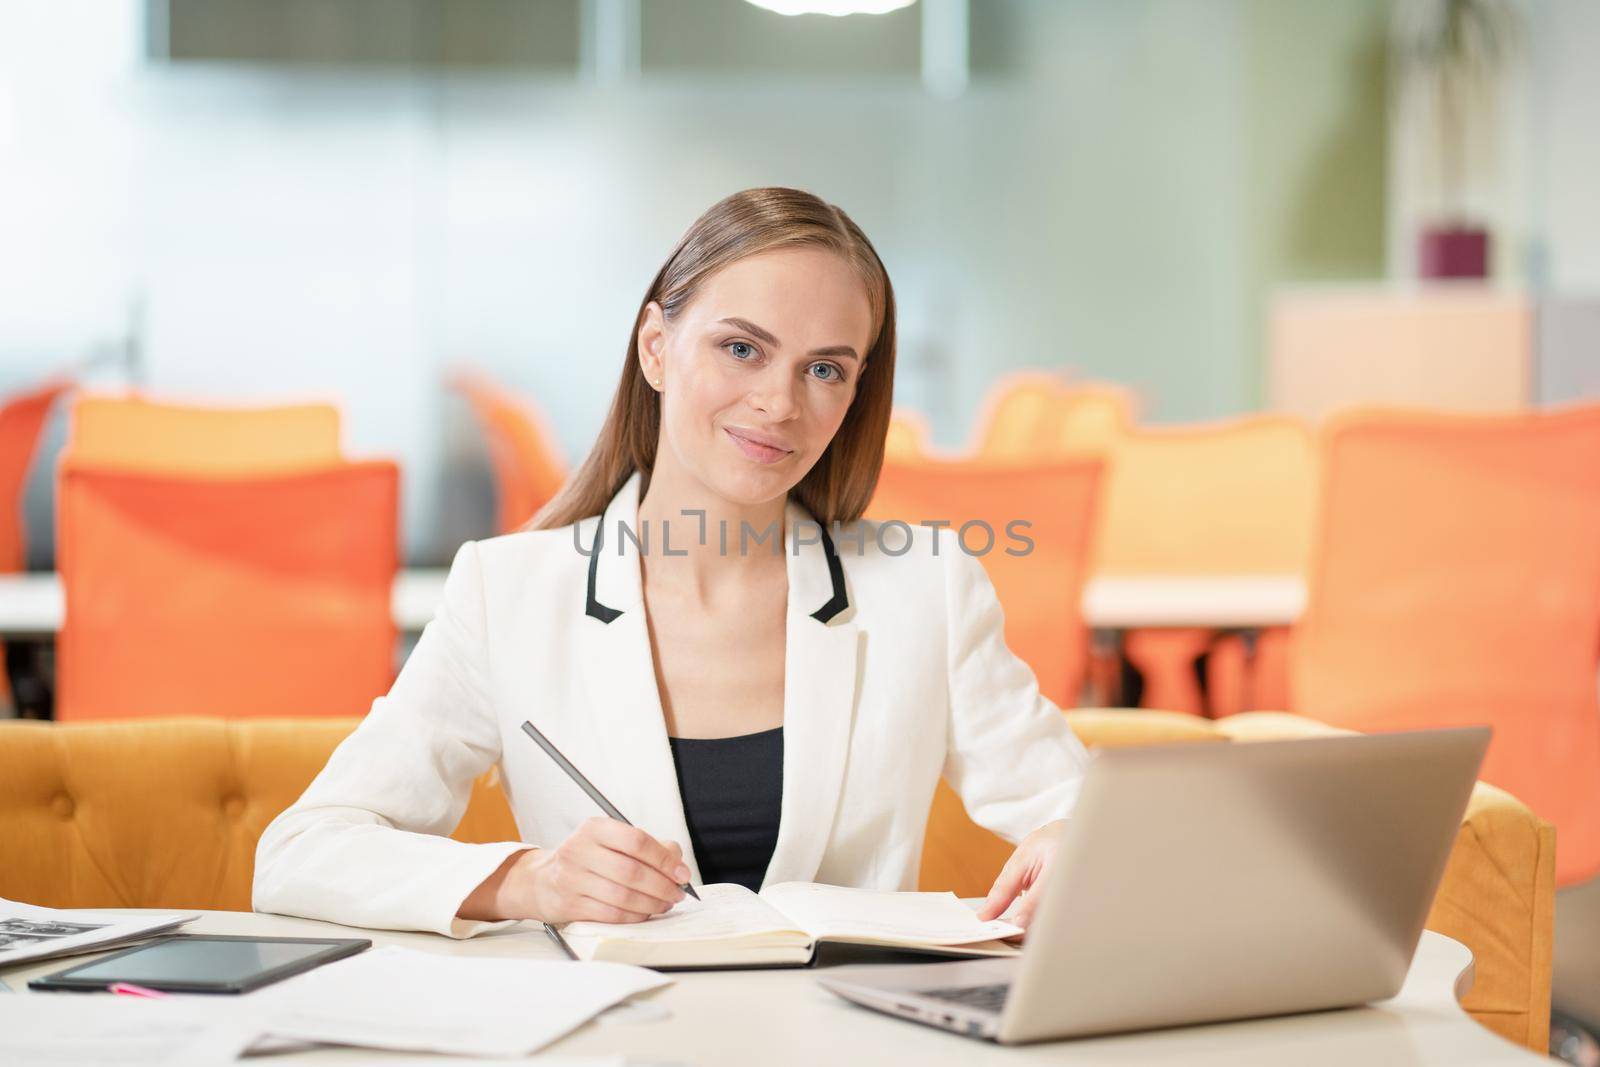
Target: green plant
x,y
1457,52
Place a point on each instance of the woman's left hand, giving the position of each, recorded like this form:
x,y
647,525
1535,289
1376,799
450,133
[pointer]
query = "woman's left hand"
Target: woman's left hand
x,y
1025,869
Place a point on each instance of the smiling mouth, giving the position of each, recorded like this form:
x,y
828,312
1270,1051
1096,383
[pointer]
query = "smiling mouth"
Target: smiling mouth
x,y
755,450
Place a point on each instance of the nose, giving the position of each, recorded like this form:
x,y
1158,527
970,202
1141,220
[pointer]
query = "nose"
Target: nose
x,y
774,393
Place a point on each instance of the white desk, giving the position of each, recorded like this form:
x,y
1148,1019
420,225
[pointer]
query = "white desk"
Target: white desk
x,y
31,605
781,1017
1218,602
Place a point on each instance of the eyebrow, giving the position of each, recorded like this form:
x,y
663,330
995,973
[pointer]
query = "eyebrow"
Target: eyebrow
x,y
762,335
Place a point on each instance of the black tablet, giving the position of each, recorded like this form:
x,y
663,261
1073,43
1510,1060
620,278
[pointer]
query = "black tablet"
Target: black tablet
x,y
203,963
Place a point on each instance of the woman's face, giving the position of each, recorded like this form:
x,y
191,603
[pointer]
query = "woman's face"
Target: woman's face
x,y
758,370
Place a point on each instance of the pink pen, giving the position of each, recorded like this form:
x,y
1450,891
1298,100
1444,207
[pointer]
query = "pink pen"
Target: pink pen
x,y
128,989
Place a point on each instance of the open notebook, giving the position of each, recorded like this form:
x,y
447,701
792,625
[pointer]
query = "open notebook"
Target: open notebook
x,y
732,927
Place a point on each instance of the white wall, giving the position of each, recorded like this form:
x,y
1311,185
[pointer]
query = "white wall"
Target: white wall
x,y
1535,181
1565,169
286,252
69,144
1040,221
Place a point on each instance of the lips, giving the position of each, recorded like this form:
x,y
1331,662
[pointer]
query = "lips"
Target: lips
x,y
760,449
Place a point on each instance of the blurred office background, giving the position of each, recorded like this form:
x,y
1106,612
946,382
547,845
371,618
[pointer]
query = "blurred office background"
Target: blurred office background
x,y
1142,249
247,201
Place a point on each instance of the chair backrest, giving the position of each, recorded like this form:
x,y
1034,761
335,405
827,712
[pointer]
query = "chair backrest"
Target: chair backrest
x,y
528,466
22,417
241,596
1031,416
1232,497
1041,591
135,432
909,437
165,812
1456,580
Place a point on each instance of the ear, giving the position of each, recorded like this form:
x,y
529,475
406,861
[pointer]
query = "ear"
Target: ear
x,y
652,345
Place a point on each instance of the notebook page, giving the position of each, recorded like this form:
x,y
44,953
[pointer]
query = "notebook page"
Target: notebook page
x,y
919,918
724,910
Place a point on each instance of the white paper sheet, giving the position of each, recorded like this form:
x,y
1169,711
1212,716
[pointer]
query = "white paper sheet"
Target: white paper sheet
x,y
101,1030
28,932
404,999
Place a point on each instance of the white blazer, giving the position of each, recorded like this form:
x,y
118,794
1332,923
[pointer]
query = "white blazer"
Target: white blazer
x,y
896,672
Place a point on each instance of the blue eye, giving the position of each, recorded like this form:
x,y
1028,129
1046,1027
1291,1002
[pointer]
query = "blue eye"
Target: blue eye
x,y
838,375
739,344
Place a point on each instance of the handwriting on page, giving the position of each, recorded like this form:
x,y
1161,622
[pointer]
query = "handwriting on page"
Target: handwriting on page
x,y
723,910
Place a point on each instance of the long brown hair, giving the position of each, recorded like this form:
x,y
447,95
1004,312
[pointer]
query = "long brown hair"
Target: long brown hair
x,y
841,482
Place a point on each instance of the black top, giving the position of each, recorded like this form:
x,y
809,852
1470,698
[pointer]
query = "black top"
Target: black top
x,y
732,791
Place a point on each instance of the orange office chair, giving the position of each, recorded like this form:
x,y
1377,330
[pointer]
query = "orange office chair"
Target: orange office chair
x,y
528,466
1039,415
1225,498
134,432
527,463
1041,592
909,436
1456,580
240,596
1249,672
22,418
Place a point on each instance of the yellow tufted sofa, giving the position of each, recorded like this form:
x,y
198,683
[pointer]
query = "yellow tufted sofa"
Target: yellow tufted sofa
x,y
166,813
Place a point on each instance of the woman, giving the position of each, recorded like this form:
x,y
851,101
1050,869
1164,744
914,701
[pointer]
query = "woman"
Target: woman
x,y
763,703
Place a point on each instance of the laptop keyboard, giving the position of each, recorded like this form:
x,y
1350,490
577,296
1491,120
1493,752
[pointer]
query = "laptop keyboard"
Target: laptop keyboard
x,y
983,997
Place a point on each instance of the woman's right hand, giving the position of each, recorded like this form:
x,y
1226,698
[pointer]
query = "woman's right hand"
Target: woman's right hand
x,y
605,871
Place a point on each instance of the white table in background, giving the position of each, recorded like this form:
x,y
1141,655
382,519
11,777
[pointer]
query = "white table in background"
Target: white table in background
x,y
1219,602
778,1018
31,605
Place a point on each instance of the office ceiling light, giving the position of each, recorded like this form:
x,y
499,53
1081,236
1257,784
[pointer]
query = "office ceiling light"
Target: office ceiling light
x,y
832,7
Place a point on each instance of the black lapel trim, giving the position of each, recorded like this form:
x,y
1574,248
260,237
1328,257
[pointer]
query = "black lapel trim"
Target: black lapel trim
x,y
593,607
836,603
839,601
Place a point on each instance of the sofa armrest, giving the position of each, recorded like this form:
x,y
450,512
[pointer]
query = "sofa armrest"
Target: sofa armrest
x,y
1497,896
1118,727
1498,899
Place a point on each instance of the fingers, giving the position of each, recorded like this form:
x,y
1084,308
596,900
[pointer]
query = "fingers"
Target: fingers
x,y
600,887
632,841
628,869
1025,910
589,909
1004,890
649,884
605,871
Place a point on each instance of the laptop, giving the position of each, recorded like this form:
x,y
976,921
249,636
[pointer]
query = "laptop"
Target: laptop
x,y
1197,883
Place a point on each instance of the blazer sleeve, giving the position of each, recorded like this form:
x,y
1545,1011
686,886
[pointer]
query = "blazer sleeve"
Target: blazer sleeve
x,y
367,843
1010,754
